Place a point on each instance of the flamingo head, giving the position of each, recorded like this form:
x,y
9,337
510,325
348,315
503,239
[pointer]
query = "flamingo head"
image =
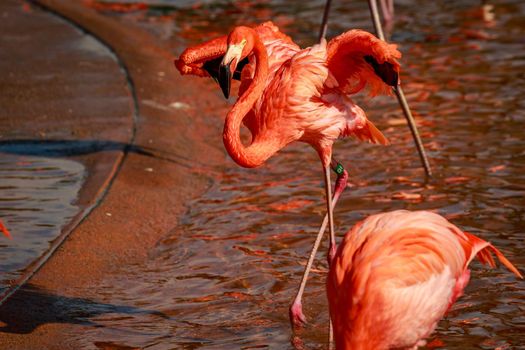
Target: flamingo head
x,y
240,45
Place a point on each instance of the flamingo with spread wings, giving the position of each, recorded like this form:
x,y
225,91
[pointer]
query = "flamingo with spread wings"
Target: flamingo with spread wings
x,y
396,274
290,94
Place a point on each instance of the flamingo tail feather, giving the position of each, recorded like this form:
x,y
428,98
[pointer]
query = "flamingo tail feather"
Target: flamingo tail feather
x,y
483,251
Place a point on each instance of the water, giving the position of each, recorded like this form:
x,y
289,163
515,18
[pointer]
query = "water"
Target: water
x,y
37,198
224,277
52,74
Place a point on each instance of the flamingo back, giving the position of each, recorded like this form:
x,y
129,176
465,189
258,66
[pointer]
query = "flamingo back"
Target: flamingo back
x,y
395,275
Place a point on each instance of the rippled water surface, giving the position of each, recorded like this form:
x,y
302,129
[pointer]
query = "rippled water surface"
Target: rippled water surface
x,y
223,278
36,201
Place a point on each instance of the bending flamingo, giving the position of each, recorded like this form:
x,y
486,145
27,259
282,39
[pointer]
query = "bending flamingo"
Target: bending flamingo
x,y
396,274
288,94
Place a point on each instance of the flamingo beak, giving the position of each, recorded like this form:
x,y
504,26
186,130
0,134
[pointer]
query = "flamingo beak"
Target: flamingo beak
x,y
228,66
224,79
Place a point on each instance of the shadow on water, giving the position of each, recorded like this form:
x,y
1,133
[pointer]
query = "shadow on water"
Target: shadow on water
x,y
39,186
32,307
71,148
65,148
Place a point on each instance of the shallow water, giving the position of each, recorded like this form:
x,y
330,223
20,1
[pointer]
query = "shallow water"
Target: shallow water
x,y
52,74
37,196
225,276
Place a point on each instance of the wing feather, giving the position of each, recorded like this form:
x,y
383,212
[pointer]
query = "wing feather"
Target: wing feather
x,y
358,59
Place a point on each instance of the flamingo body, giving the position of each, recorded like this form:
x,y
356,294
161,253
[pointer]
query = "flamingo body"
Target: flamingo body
x,y
291,94
396,274
303,95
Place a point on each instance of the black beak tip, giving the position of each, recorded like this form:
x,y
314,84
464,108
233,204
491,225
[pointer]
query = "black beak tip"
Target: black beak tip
x,y
225,92
225,77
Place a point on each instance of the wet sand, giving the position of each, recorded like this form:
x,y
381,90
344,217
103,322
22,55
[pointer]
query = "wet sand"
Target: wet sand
x,y
63,91
155,167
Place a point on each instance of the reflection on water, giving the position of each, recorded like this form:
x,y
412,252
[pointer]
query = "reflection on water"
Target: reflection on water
x,y
227,273
36,200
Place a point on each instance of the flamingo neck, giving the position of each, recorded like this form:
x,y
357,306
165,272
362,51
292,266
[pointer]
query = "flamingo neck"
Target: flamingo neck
x,y
258,151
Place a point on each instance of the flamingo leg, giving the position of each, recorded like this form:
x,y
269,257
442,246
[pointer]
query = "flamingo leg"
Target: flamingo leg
x,y
372,4
324,24
296,309
330,211
387,7
330,335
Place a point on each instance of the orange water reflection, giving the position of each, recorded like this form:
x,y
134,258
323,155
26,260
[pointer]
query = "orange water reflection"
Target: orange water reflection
x,y
227,272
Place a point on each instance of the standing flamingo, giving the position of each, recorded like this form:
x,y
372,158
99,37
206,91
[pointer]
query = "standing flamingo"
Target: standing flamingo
x,y
4,230
288,94
396,274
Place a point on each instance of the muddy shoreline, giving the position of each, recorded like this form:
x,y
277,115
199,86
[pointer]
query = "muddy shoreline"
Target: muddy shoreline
x,y
164,165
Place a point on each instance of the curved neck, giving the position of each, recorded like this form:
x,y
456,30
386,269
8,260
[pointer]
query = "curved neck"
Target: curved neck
x,y
257,152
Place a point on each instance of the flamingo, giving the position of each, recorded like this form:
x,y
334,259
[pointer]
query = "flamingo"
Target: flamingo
x,y
396,274
290,94
4,230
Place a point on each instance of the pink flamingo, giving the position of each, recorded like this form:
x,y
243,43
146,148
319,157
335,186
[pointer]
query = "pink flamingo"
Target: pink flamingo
x,y
4,230
288,94
396,274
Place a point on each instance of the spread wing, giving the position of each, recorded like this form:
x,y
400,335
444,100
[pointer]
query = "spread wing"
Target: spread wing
x,y
358,59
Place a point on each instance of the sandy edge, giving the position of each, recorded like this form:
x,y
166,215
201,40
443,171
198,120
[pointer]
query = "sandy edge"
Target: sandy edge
x,y
143,204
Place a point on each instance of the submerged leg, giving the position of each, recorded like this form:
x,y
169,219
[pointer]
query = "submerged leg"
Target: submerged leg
x,y
296,309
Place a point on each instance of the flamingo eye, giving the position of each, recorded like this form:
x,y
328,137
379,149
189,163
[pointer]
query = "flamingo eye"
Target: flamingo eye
x,y
243,42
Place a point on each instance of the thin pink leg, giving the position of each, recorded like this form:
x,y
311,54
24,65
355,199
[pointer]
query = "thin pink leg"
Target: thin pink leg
x,y
297,317
387,7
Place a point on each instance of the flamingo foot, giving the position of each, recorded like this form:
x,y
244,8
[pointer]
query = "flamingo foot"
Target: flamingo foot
x,y
297,317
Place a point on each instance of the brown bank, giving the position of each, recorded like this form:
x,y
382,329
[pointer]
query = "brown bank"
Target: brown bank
x,y
158,165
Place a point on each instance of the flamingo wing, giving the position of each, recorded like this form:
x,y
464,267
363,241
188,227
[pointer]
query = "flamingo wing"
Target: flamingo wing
x,y
357,58
303,101
291,104
476,247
